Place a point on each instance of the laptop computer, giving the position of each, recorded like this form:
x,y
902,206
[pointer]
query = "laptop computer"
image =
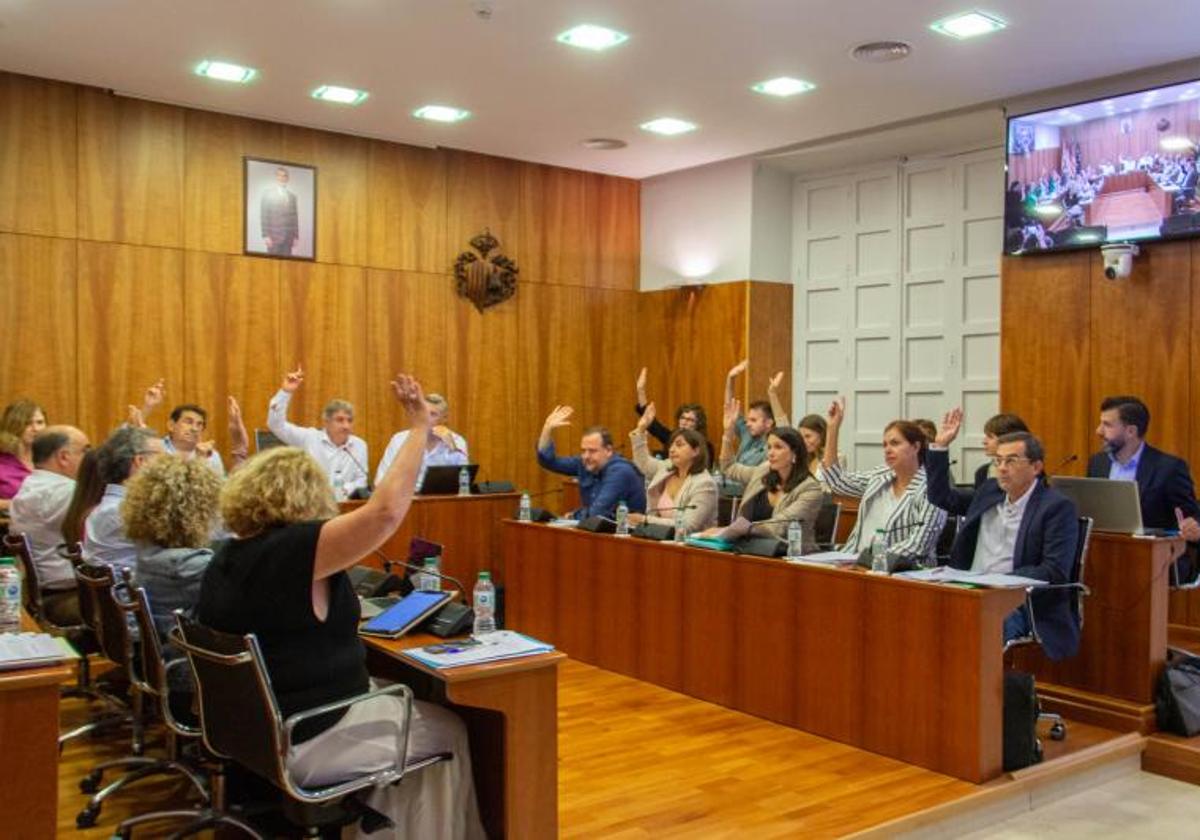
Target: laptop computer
x,y
1113,505
443,480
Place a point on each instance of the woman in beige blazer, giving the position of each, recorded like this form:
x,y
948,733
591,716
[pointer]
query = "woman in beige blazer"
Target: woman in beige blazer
x,y
779,490
680,483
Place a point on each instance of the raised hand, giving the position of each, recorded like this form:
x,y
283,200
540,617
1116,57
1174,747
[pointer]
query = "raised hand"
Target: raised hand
x,y
647,418
293,380
154,396
239,440
738,369
733,410
135,418
559,417
204,449
641,387
775,381
409,394
948,430
837,411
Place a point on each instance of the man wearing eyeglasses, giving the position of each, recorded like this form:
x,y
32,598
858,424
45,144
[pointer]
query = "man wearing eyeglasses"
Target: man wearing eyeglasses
x,y
1013,524
38,511
119,458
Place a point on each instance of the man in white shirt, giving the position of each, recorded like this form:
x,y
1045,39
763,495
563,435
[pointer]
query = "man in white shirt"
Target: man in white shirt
x,y
119,458
38,511
341,454
443,447
184,429
1013,524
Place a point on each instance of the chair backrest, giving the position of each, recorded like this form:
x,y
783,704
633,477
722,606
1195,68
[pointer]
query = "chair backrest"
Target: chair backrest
x,y
151,677
17,545
265,439
825,530
1080,565
238,713
946,538
98,587
73,552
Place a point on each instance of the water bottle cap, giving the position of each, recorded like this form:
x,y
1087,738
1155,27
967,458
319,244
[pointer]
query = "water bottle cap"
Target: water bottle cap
x,y
8,561
485,575
431,561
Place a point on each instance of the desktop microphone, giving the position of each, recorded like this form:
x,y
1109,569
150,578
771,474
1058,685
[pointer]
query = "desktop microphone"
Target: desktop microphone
x,y
692,506
452,619
345,447
1068,460
389,562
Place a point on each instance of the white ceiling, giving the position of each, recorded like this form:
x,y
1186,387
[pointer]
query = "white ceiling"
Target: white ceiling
x,y
534,99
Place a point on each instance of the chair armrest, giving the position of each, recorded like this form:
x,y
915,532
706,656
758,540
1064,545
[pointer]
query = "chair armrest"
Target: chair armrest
x,y
377,778
179,727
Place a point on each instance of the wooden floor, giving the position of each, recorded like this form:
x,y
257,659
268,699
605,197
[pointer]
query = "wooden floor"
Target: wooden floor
x,y
639,761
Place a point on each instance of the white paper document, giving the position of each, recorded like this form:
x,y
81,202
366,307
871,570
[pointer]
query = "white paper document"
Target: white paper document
x,y
828,558
944,574
502,644
29,650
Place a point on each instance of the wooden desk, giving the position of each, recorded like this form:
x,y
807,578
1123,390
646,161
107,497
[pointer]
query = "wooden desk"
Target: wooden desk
x,y
511,712
908,670
1110,682
467,526
29,749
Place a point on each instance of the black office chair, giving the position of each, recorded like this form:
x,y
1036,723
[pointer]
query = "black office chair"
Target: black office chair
x,y
946,539
240,720
1078,590
825,529
117,643
155,679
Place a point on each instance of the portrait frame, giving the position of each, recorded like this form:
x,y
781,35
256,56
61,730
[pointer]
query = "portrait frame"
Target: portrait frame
x,y
279,218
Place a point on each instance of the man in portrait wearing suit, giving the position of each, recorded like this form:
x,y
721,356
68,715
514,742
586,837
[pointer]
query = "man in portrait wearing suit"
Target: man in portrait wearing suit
x,y
1164,482
280,221
1013,524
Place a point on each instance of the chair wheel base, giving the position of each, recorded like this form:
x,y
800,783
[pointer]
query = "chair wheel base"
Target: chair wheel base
x,y
87,817
1057,731
90,783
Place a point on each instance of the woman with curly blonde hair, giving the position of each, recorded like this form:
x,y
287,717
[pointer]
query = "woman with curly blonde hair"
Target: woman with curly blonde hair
x,y
20,423
169,510
283,578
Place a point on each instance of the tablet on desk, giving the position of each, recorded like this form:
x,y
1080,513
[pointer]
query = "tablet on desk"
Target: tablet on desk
x,y
410,611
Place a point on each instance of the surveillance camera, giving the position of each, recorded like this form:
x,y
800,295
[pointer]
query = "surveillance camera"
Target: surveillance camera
x,y
1118,259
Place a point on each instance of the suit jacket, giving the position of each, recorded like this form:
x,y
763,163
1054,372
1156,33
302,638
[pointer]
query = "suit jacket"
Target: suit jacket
x,y
1045,547
1164,483
803,502
280,220
697,496
912,530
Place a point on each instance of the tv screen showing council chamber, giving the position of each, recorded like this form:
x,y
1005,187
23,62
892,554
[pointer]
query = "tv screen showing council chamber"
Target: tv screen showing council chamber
x,y
1121,169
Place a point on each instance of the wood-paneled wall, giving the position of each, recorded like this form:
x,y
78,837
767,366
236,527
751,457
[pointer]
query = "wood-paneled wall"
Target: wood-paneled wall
x,y
1070,337
121,261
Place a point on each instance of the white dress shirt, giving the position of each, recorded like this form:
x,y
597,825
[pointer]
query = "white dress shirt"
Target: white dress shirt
x,y
104,539
346,465
38,511
997,540
442,455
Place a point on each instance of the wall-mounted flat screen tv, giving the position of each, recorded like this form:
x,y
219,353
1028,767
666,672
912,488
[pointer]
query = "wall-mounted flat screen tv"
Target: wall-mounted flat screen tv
x,y
1122,169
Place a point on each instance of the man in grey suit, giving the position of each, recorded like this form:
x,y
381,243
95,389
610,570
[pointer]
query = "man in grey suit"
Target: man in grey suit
x,y
280,221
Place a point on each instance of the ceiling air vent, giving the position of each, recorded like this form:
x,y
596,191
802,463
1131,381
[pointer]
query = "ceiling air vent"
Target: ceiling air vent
x,y
877,52
603,143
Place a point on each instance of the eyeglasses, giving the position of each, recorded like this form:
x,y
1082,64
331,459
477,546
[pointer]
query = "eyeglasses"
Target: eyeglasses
x,y
1008,460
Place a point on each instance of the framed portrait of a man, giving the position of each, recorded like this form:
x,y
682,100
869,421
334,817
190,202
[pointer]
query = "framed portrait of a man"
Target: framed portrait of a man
x,y
280,209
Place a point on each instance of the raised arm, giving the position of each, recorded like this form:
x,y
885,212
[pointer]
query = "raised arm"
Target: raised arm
x,y
559,417
833,425
938,486
777,407
733,374
277,411
648,466
239,441
348,538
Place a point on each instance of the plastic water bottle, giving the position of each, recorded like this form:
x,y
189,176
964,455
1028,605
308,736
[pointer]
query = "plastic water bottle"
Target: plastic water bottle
x,y
622,519
10,596
484,600
879,564
430,582
464,482
795,539
525,511
680,531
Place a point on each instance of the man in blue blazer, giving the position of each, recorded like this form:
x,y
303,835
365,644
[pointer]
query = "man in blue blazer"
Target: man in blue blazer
x,y
1015,524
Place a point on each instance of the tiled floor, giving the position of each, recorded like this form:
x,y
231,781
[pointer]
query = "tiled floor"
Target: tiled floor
x,y
1133,805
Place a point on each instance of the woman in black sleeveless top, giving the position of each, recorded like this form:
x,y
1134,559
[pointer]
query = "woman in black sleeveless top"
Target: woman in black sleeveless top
x,y
284,579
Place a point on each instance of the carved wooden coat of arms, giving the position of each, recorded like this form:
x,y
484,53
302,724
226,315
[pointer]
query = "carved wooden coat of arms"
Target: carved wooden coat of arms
x,y
484,280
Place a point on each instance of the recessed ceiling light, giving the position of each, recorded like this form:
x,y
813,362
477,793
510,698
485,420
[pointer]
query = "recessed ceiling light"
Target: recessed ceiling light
x,y
668,126
340,95
587,36
225,72
1176,144
441,113
782,86
603,143
968,25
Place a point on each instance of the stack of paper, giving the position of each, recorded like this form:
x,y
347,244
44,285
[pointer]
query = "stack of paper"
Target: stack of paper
x,y
29,650
944,574
502,644
828,558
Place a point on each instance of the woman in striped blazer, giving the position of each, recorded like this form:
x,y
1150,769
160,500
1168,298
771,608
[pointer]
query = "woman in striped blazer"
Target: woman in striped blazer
x,y
892,496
